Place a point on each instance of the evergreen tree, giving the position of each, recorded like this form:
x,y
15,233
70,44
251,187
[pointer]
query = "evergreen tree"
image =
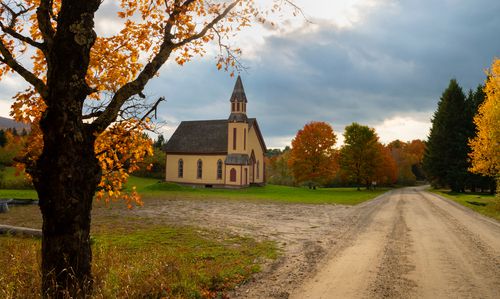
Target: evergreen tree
x,y
445,158
3,138
472,103
159,142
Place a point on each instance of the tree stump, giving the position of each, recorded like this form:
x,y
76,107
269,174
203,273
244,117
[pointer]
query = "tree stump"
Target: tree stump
x,y
4,208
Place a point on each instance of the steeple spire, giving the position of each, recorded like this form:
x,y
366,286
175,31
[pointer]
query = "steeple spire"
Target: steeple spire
x,y
238,92
238,103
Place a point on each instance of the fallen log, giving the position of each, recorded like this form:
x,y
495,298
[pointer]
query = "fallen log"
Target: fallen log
x,y
23,231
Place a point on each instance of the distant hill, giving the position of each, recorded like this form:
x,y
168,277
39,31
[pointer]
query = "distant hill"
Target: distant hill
x,y
6,123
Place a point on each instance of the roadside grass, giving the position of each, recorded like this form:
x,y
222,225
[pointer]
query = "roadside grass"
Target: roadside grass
x,y
485,204
157,262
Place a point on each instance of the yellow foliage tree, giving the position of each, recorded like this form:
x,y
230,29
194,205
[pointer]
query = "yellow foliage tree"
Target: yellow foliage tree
x,y
86,106
485,146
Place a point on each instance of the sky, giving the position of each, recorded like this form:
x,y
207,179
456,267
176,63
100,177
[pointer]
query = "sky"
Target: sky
x,y
381,63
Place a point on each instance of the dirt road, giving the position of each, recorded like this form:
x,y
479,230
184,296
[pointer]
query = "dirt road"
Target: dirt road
x,y
407,243
411,244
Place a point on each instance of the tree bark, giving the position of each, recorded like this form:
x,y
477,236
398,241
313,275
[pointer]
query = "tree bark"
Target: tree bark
x,y
66,186
67,172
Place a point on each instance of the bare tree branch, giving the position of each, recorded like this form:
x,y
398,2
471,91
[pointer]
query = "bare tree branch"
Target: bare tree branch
x,y
8,59
151,68
21,37
209,26
43,16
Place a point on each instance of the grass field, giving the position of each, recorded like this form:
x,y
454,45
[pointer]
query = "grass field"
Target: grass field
x,y
348,196
149,187
485,204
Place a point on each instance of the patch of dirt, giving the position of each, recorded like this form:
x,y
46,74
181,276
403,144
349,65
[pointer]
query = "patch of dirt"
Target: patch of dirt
x,y
304,233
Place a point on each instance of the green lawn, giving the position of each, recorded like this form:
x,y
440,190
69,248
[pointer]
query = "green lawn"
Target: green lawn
x,y
348,196
485,204
149,187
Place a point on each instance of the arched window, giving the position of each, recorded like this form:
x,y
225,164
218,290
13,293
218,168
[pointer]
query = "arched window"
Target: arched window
x,y
199,169
238,106
180,168
219,170
258,169
232,175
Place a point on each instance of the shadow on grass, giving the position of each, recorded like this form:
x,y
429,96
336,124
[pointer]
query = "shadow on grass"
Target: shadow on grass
x,y
480,204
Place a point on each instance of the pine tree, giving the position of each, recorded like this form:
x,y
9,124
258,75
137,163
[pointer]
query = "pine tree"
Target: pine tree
x,y
3,138
472,103
445,158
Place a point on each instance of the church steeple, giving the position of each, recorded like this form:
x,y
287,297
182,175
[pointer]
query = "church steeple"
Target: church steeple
x,y
238,103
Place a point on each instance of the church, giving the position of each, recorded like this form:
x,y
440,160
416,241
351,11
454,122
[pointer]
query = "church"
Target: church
x,y
224,153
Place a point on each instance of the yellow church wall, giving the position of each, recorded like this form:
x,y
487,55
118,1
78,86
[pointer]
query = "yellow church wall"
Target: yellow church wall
x,y
209,170
254,144
240,137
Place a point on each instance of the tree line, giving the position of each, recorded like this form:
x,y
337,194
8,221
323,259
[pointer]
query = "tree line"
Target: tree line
x,y
463,148
362,161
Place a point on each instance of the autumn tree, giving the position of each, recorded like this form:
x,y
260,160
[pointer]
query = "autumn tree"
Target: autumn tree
x,y
445,158
278,171
360,156
408,157
386,172
485,146
312,157
87,107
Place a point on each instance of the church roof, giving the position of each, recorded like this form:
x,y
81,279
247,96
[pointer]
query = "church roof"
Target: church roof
x,y
238,92
204,137
200,137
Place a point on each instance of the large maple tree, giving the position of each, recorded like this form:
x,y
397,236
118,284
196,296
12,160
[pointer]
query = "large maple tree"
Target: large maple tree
x,y
87,107
313,156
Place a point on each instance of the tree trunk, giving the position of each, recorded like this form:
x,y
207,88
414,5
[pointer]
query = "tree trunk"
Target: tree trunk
x,y
66,177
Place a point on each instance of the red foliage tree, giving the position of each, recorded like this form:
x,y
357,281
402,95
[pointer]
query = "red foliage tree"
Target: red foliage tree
x,y
313,158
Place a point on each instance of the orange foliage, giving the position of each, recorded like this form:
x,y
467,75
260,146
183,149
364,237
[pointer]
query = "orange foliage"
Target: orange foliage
x,y
406,155
313,158
387,171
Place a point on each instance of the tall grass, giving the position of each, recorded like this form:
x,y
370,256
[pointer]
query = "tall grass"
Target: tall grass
x,y
162,262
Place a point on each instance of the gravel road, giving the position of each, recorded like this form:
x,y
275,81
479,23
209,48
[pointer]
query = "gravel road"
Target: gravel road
x,y
411,244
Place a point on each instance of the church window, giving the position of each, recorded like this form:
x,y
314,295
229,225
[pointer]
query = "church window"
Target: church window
x,y
219,170
234,138
180,168
245,139
258,169
238,106
232,175
199,169
233,105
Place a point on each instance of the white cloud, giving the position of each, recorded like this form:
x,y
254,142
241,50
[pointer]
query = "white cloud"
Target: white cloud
x,y
5,108
404,128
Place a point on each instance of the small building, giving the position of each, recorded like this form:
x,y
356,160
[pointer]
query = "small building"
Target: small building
x,y
218,153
